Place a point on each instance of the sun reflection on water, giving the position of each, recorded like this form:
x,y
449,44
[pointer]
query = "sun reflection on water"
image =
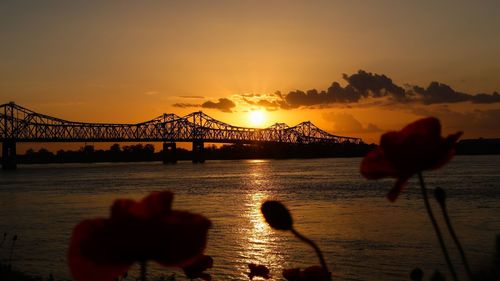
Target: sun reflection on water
x,y
261,242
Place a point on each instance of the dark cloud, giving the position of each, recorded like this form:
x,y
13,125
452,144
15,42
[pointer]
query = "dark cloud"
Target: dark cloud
x,y
439,93
224,105
485,98
368,84
362,85
185,105
362,88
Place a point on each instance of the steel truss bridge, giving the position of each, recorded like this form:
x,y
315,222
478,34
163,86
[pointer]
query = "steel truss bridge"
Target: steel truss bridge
x,y
18,124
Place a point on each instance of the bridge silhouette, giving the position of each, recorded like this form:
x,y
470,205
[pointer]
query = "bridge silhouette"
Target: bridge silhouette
x,y
19,124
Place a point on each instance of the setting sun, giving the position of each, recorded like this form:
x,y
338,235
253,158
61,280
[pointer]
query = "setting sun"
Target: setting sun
x,y
256,117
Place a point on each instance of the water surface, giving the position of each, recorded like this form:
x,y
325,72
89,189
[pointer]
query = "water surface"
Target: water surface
x,y
363,236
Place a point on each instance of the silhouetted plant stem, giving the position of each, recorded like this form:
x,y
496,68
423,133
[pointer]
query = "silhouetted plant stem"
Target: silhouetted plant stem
x,y
316,248
143,270
455,239
3,240
436,227
12,250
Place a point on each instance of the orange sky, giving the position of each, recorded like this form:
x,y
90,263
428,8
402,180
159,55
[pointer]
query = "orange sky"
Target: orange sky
x,y
132,61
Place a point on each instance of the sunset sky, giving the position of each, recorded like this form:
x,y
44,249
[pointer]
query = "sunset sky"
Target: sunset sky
x,y
354,68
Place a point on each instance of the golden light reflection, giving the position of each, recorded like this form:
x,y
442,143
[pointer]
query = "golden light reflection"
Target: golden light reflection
x,y
263,244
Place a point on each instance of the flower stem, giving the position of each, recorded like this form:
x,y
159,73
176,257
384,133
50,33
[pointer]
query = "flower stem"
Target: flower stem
x,y
316,248
436,227
11,252
455,239
143,270
3,240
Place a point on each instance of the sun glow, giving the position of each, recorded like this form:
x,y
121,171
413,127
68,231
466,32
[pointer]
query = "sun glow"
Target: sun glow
x,y
257,117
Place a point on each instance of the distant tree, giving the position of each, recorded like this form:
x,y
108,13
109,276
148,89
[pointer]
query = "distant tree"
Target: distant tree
x,y
115,148
149,148
88,149
44,151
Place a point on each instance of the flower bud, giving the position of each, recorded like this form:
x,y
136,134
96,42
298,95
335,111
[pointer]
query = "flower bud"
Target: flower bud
x,y
417,274
277,215
440,196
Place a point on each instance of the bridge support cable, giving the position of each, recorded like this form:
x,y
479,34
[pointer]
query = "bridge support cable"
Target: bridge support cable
x,y
198,152
169,153
9,155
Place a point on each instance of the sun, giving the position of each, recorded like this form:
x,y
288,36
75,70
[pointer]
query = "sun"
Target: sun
x,y
257,117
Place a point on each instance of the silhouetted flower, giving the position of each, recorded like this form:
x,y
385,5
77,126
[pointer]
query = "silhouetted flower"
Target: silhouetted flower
x,y
258,271
277,215
417,147
195,269
102,249
312,273
417,274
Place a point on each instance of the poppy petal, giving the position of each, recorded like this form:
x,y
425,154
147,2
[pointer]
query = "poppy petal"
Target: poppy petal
x,y
84,269
429,127
375,165
398,187
156,204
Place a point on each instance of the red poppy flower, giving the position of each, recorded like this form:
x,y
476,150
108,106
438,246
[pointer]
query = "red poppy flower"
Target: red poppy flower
x,y
102,249
417,147
257,270
195,269
312,273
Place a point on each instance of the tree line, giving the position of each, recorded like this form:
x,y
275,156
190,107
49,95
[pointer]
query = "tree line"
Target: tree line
x,y
146,152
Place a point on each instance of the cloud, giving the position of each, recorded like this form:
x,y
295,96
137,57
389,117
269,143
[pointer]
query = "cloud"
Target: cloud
x,y
185,105
362,89
368,84
439,93
364,86
224,105
485,98
360,85
346,123
268,105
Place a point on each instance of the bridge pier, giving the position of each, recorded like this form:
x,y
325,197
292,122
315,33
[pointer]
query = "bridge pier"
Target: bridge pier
x,y
9,155
198,152
169,153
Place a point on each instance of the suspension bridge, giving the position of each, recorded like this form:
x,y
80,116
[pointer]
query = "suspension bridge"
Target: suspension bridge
x,y
19,124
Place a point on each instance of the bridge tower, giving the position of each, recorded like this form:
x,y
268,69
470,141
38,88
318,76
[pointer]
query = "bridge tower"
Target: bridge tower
x,y
198,152
169,153
8,136
9,155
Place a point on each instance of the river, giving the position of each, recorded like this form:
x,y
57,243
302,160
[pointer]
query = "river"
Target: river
x,y
363,235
